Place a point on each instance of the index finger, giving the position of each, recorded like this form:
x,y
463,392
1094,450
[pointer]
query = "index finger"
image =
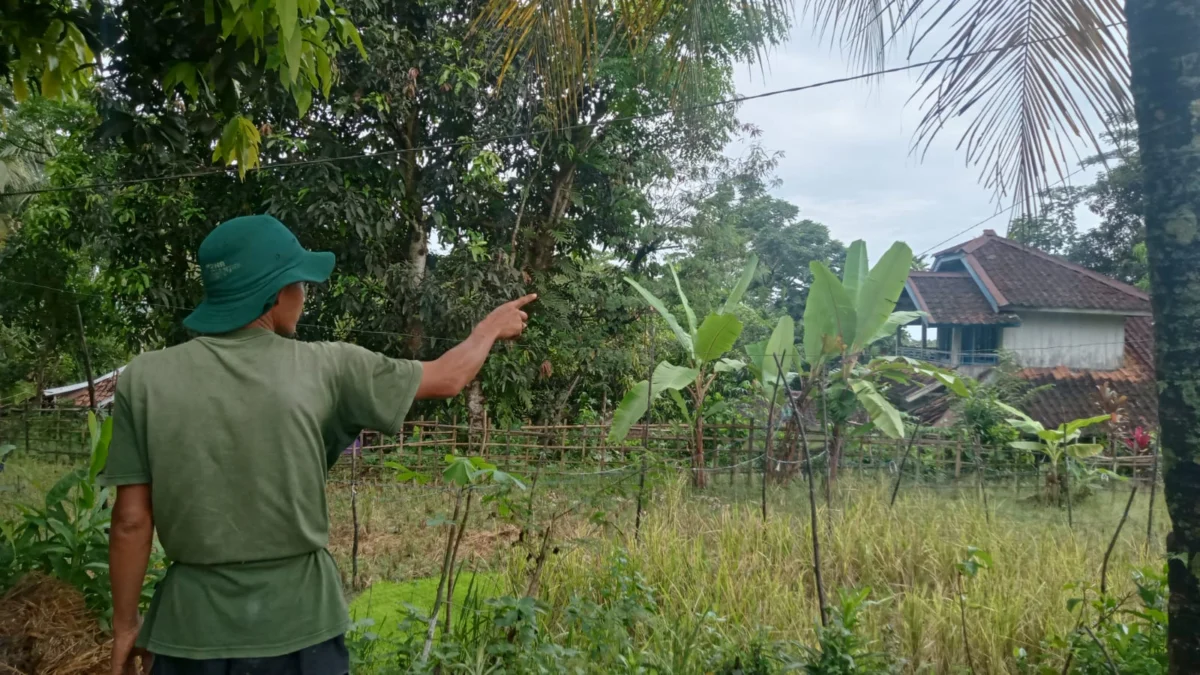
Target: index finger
x,y
521,302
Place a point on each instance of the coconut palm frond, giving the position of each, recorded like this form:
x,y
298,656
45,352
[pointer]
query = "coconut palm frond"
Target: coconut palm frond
x,y
865,29
1033,77
564,40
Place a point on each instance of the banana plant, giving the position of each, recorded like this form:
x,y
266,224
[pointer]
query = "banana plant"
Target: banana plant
x,y
704,346
1057,444
842,319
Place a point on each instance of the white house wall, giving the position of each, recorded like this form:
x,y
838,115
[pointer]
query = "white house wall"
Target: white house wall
x,y
1051,339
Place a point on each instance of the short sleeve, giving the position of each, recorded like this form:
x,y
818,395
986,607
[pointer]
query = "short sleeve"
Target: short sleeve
x,y
127,460
374,391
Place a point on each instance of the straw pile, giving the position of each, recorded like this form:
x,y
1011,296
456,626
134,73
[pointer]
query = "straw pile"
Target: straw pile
x,y
46,629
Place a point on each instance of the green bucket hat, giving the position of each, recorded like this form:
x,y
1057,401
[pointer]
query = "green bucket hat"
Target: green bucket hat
x,y
244,263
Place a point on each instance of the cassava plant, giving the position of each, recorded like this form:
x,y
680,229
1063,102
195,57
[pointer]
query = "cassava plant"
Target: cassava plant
x,y
465,475
704,347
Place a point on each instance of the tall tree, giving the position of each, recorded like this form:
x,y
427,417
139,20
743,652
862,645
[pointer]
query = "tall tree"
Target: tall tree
x,y
1164,41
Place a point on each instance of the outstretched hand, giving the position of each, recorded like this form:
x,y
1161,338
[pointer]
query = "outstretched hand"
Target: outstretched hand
x,y
508,320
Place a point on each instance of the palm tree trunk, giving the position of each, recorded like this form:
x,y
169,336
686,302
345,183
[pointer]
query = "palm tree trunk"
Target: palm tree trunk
x,y
1164,49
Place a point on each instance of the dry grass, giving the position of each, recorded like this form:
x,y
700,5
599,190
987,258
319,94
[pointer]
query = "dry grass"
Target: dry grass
x,y
46,629
709,556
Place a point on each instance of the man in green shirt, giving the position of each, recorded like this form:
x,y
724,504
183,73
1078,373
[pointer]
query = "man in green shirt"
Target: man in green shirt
x,y
223,444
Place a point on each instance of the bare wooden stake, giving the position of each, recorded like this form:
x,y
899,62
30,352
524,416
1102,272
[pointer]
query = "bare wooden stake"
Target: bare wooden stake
x,y
87,361
354,514
900,474
980,467
766,463
1113,543
637,525
1066,481
1153,491
812,501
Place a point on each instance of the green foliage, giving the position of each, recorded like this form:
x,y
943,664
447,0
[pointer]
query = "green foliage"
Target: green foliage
x,y
838,322
214,56
841,649
704,346
615,625
1128,633
66,536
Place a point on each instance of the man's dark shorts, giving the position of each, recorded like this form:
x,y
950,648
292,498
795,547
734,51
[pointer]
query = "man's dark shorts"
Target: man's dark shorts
x,y
327,658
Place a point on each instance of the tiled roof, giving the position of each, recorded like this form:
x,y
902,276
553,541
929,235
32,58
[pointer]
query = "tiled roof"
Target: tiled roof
x,y
954,298
1075,393
1070,394
1019,276
77,394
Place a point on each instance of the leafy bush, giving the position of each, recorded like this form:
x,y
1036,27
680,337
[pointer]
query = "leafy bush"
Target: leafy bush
x,y
66,536
614,626
1133,640
841,649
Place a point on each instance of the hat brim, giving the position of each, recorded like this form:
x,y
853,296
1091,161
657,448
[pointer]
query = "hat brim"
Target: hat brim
x,y
213,317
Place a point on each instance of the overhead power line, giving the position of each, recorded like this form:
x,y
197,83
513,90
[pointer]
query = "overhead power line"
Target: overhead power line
x,y
204,173
435,338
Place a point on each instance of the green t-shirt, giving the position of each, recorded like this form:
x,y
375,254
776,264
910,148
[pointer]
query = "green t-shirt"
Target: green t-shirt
x,y
235,435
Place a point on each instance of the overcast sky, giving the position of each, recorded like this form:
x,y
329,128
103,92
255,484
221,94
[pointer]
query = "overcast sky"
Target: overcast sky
x,y
847,160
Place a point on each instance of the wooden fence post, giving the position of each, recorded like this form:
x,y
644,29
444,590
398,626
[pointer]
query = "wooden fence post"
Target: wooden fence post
x,y
749,454
28,409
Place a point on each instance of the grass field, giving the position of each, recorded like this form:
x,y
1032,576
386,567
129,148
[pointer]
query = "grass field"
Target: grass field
x,y
710,553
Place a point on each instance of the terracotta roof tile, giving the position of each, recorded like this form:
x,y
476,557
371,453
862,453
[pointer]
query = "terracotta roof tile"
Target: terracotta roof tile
x,y
954,298
1026,277
1075,393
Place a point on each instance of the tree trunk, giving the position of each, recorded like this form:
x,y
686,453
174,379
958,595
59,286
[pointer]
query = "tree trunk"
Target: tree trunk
x,y
418,252
698,475
1164,48
476,403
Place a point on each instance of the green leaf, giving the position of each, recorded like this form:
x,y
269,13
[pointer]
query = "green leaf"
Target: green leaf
x,y
681,404
239,143
303,97
634,405
1075,425
347,29
756,351
669,376
100,445
895,321
779,349
293,48
739,289
629,411
687,308
63,487
288,15
715,409
883,414
324,71
829,315
716,336
460,472
1012,411
729,366
878,296
1027,446
684,337
856,268
6,449
1084,450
